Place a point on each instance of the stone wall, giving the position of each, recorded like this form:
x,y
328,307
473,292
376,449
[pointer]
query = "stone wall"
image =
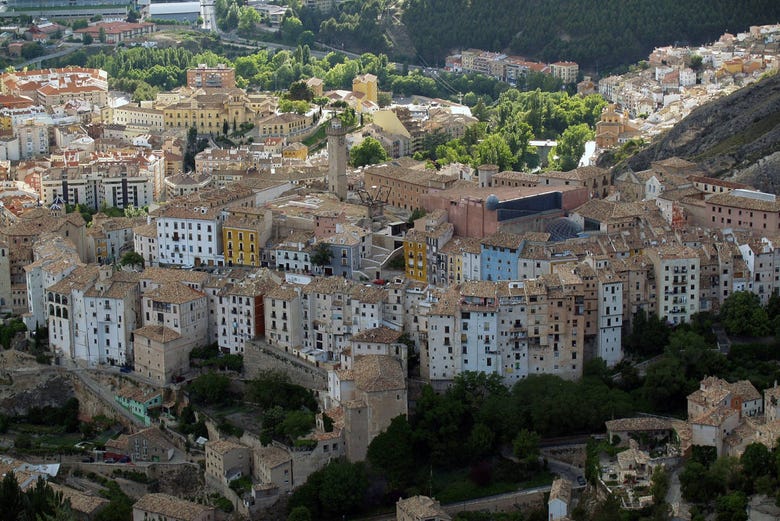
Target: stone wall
x,y
259,356
501,503
21,390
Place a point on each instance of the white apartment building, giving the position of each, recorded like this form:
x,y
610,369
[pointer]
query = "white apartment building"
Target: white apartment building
x,y
239,312
333,309
293,253
189,228
762,258
283,317
677,282
95,189
139,119
510,328
67,316
55,258
145,242
33,138
175,320
610,319
112,306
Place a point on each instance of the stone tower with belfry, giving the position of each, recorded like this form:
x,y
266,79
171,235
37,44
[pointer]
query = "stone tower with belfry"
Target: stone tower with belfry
x,y
337,159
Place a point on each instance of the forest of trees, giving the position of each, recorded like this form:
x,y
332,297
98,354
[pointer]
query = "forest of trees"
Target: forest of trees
x,y
506,128
602,34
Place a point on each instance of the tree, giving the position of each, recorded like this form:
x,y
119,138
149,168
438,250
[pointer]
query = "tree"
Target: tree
x,y
525,447
731,507
392,453
322,254
493,150
132,258
299,91
742,314
649,335
571,146
608,510
665,384
32,50
225,127
333,492
210,388
102,35
480,442
87,39
693,482
660,485
343,488
291,29
133,16
696,61
384,99
11,499
299,514
756,461
297,423
417,213
369,152
248,18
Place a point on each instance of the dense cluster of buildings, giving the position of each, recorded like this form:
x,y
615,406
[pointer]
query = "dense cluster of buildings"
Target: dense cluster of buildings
x,y
508,68
675,80
261,249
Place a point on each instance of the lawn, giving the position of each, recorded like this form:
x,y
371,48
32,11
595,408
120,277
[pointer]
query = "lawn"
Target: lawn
x,y
315,138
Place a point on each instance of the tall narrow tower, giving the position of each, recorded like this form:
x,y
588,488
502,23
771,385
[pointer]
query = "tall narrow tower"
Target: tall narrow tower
x,y
337,159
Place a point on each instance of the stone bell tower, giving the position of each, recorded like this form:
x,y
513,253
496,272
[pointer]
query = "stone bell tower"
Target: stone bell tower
x,y
337,159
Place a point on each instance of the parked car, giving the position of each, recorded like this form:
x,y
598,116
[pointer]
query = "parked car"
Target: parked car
x,y
125,369
581,480
109,460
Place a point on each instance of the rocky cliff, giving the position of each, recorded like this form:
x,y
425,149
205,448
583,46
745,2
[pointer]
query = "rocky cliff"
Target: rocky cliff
x,y
736,137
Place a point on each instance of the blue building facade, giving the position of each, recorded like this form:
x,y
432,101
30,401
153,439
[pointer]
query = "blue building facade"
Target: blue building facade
x,y
500,256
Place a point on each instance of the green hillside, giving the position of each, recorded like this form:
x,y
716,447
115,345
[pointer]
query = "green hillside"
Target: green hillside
x,y
604,34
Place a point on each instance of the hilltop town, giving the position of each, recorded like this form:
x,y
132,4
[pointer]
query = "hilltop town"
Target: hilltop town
x,y
332,300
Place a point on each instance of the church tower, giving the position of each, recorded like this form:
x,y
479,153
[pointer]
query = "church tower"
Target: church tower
x,y
337,159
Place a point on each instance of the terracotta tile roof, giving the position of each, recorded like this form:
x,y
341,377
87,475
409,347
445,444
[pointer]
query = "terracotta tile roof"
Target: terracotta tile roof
x,y
379,335
146,230
734,201
79,501
638,424
458,245
503,240
375,373
157,333
159,275
174,293
422,507
284,292
272,456
80,278
369,294
223,446
172,507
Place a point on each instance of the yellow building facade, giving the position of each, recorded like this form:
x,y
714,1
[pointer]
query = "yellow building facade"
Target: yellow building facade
x,y
416,255
208,115
366,84
242,246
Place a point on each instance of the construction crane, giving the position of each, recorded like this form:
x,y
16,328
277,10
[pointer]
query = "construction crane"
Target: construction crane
x,y
375,199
